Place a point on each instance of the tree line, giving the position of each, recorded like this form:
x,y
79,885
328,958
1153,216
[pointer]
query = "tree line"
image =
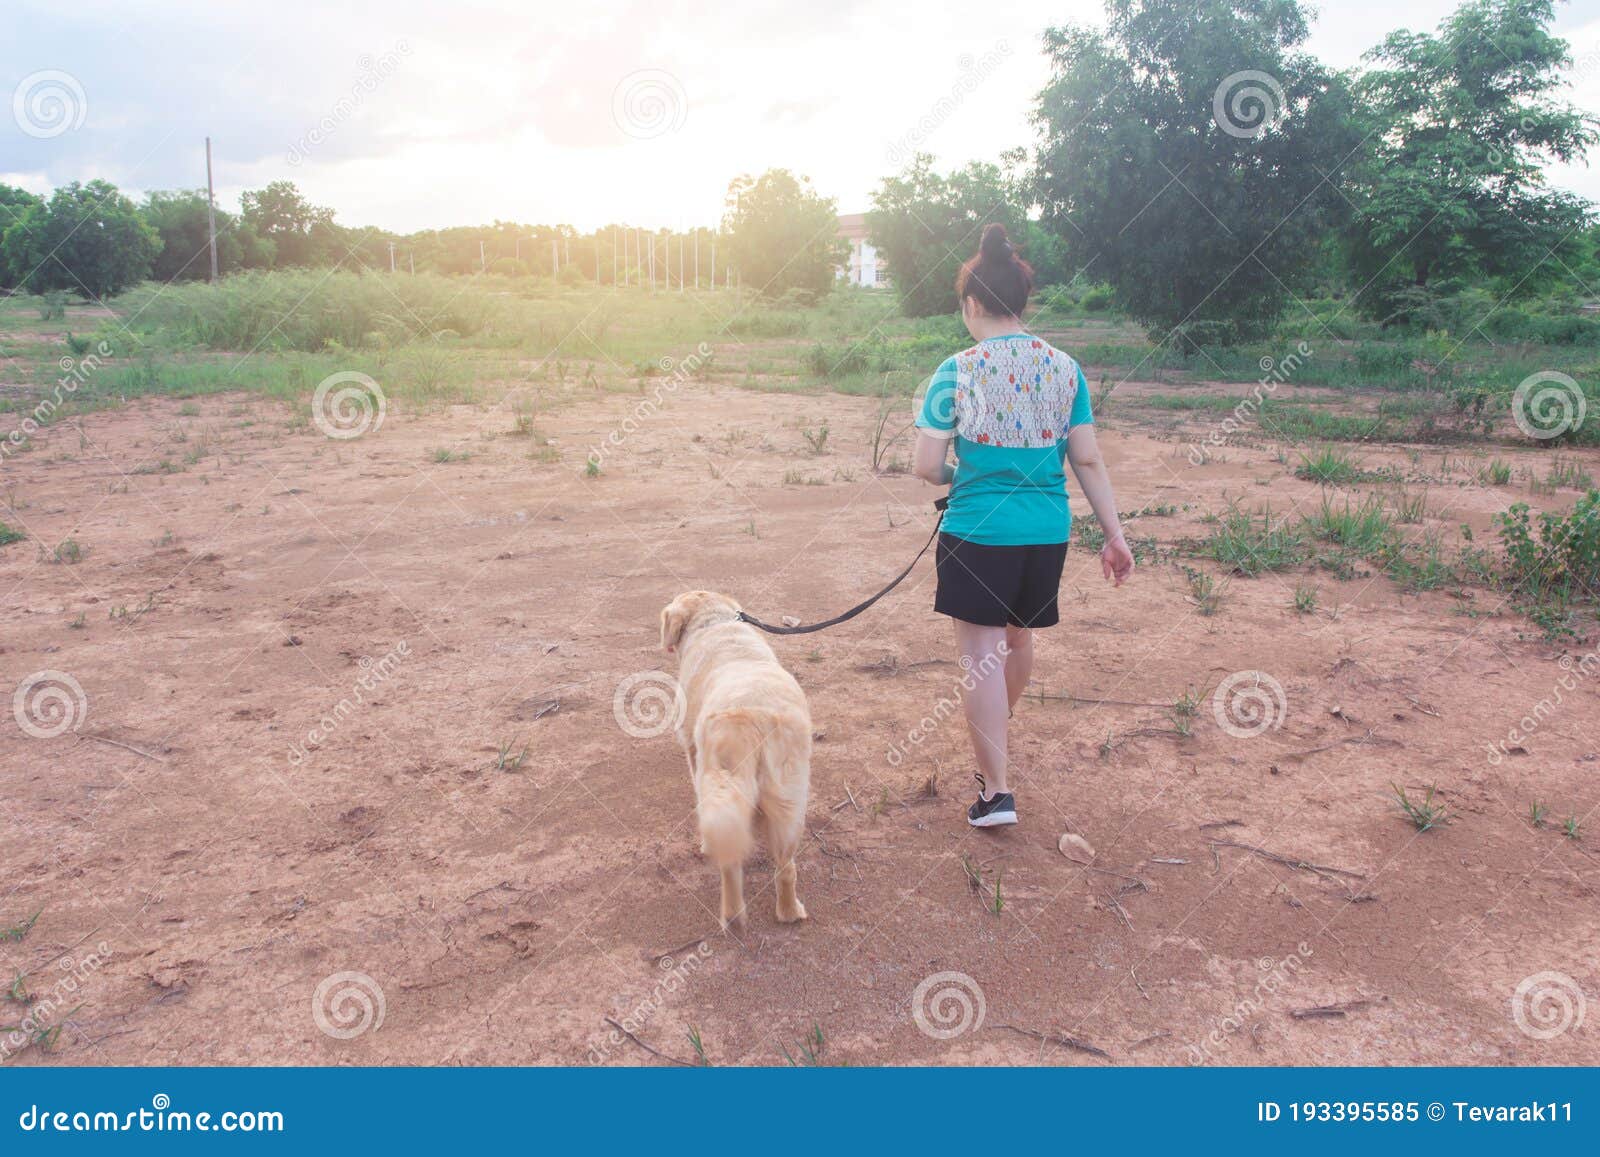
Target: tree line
x,y
1193,162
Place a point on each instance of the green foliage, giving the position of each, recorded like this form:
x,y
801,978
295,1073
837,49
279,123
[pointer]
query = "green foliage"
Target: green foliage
x,y
1153,167
13,203
1251,546
782,234
181,220
1458,125
8,535
299,232
927,225
85,239
1556,555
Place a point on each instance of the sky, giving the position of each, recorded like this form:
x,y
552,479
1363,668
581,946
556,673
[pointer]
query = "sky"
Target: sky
x,y
410,115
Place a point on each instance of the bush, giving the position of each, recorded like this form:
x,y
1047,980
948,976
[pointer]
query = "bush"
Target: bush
x,y
1555,555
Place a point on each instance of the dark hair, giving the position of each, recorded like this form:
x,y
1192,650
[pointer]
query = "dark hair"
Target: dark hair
x,y
997,279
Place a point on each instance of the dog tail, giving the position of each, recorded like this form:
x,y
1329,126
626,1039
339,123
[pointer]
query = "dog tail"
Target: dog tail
x,y
730,754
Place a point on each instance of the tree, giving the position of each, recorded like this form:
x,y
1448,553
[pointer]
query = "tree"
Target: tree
x,y
301,233
1460,123
181,220
782,235
13,202
86,239
927,225
1183,157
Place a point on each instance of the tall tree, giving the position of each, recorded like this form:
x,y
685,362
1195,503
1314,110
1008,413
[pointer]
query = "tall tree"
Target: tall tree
x,y
1183,156
13,201
180,218
928,224
783,235
84,239
1459,125
301,233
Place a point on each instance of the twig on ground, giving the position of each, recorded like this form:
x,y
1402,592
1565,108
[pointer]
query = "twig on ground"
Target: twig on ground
x,y
694,943
1067,1042
1289,861
1330,1011
124,746
1330,746
1222,824
1044,696
652,1051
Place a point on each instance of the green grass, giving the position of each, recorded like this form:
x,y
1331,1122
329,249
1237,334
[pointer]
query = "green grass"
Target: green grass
x,y
1365,529
1424,813
8,535
1250,545
1331,466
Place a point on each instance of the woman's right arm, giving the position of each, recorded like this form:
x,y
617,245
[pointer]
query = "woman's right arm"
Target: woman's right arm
x,y
928,460
1083,451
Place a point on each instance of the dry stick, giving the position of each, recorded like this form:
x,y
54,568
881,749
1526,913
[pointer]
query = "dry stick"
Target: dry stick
x,y
1046,697
695,943
1287,861
1330,746
124,746
1064,1041
1222,824
1329,1010
653,1052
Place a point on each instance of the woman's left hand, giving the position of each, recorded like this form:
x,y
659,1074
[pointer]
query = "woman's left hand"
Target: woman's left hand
x,y
1116,560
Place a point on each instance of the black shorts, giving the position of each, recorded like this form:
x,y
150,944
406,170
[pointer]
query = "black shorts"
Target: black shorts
x,y
999,586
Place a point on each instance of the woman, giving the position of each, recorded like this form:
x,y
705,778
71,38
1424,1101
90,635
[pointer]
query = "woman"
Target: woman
x,y
1015,409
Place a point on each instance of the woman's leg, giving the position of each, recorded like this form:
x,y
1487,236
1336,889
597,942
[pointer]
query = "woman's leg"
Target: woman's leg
x,y
986,700
1019,663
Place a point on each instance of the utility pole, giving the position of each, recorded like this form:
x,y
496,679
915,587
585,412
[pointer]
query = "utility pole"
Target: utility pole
x,y
211,212
391,257
555,258
713,261
483,260
680,262
413,256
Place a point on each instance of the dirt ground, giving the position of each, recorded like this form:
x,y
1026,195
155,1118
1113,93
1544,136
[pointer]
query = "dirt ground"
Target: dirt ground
x,y
216,885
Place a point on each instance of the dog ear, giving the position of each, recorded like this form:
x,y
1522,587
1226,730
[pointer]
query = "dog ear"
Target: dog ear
x,y
673,620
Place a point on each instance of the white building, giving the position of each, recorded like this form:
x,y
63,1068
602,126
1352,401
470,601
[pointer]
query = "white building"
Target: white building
x,y
864,266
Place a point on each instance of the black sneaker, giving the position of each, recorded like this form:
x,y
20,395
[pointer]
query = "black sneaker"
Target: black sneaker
x,y
992,811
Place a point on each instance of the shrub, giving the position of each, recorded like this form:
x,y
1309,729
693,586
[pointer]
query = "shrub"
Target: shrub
x,y
1556,554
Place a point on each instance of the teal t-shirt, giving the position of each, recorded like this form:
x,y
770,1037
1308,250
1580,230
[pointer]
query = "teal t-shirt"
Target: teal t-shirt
x,y
1008,402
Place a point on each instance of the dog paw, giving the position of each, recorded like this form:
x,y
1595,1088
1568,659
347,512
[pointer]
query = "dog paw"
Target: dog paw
x,y
792,915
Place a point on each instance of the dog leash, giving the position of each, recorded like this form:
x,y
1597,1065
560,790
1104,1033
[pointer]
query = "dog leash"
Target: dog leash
x,y
745,617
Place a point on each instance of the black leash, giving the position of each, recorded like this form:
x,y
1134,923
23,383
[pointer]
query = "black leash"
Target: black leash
x,y
746,617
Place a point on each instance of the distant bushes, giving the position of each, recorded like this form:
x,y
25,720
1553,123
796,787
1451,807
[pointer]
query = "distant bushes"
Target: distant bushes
x,y
309,310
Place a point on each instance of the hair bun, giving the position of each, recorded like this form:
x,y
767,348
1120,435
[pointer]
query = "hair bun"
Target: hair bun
x,y
995,245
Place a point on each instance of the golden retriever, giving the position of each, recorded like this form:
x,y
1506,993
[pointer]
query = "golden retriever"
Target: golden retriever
x,y
746,730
